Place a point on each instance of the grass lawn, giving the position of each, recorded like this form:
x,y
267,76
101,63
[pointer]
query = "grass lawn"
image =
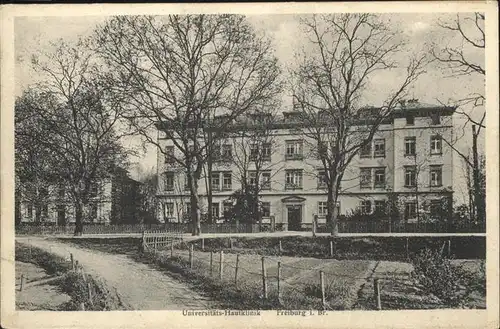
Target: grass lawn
x,y
348,276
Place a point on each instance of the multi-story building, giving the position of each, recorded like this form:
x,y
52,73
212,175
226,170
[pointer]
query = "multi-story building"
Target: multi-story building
x,y
112,200
406,161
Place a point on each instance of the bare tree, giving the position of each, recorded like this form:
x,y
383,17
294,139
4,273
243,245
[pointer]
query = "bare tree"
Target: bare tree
x,y
344,51
179,72
456,60
254,142
77,120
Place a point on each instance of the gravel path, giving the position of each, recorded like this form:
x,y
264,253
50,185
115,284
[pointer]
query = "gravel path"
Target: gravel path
x,y
140,287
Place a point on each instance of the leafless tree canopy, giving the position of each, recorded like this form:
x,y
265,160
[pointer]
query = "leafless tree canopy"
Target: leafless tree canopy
x,y
179,72
71,116
344,51
456,59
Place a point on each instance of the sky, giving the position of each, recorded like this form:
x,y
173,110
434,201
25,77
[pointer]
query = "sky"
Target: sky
x,y
35,33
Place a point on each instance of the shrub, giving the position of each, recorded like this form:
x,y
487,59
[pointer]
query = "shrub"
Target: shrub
x,y
74,284
337,294
52,264
436,275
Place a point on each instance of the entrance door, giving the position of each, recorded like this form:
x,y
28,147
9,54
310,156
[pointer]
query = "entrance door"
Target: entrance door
x,y
294,218
61,215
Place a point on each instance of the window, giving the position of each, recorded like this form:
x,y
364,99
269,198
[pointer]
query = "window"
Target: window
x,y
436,119
215,178
186,182
366,206
410,120
227,181
322,208
93,190
436,173
410,146
322,149
293,150
379,146
227,152
266,152
292,116
61,192
169,181
365,177
266,180
254,152
436,144
252,178
226,208
380,206
366,151
169,209
435,208
93,213
215,210
169,154
410,176
321,179
293,179
410,210
30,211
266,209
379,177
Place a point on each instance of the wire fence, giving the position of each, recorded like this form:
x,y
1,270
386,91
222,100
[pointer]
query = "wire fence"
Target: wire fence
x,y
313,283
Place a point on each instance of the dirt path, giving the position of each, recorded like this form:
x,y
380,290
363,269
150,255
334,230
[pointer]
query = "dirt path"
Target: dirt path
x,y
140,287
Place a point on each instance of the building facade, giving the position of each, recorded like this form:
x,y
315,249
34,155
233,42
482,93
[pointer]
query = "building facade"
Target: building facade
x,y
112,200
406,161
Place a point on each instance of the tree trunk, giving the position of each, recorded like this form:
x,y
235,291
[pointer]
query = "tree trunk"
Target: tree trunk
x,y
209,190
476,171
78,218
332,215
17,202
195,204
257,212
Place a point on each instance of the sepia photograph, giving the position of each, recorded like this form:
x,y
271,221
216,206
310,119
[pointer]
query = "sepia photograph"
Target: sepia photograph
x,y
227,164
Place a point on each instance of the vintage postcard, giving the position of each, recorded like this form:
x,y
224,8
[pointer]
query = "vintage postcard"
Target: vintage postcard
x,y
271,165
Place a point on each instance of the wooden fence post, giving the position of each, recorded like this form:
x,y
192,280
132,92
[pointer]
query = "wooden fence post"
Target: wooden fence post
x,y
322,282
211,263
203,244
331,248
407,248
279,281
155,241
90,292
230,243
264,278
143,240
376,291
281,247
449,248
22,283
191,256
221,262
72,261
236,270
172,248
82,306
